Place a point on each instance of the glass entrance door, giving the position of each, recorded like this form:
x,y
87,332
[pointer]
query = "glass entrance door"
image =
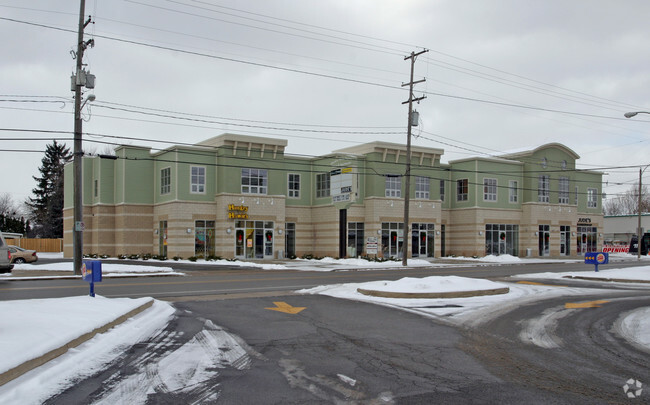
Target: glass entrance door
x,y
162,238
422,240
587,239
544,240
254,239
392,239
565,240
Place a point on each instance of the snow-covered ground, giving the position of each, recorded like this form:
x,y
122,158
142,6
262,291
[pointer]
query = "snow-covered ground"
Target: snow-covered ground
x,y
31,327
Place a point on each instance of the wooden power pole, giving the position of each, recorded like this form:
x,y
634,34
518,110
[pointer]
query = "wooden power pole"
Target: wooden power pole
x,y
407,186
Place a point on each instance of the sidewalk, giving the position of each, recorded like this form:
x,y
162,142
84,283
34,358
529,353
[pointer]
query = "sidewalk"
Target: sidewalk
x,y
36,331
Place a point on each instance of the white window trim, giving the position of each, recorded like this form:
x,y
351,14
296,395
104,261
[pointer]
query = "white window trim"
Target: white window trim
x,y
496,190
466,194
192,191
323,192
513,185
564,196
393,188
544,193
169,191
422,194
592,198
261,189
289,189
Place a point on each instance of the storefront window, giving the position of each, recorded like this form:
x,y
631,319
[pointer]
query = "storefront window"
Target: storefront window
x,y
501,239
392,239
204,238
355,239
290,239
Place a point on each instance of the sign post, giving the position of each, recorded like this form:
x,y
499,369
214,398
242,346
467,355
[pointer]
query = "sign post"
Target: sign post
x,y
372,245
91,271
597,258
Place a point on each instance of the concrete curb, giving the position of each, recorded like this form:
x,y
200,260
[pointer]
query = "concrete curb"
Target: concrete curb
x,y
609,280
39,361
451,294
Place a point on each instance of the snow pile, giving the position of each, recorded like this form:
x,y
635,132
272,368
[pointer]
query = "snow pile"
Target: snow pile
x,y
501,259
31,328
641,273
364,263
433,284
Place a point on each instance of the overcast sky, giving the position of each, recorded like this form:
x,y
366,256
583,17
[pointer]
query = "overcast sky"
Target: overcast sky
x,y
327,74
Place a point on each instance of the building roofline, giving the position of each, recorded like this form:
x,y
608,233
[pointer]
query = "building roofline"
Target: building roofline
x,y
380,147
529,152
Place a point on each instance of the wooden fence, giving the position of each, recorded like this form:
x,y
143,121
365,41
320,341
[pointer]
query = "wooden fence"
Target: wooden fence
x,y
39,245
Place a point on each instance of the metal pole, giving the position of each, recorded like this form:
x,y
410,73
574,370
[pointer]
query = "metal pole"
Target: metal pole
x,y
77,231
638,229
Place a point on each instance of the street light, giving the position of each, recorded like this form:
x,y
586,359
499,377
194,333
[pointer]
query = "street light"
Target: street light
x,y
633,113
638,229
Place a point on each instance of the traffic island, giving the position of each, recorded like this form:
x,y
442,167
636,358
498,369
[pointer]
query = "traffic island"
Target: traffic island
x,y
434,295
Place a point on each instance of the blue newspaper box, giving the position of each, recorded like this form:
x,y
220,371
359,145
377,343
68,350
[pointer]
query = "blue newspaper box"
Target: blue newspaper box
x,y
92,271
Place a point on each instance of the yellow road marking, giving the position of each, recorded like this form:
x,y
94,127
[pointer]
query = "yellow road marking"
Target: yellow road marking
x,y
535,283
281,306
588,304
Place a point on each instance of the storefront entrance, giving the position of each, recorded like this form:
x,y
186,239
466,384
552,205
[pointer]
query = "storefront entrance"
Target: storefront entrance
x,y
544,240
254,239
162,239
587,239
565,240
392,239
422,240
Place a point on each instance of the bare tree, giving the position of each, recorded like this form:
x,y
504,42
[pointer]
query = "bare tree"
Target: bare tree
x,y
628,203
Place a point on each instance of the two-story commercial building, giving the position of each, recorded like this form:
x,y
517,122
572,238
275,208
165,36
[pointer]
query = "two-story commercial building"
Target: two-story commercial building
x,y
243,197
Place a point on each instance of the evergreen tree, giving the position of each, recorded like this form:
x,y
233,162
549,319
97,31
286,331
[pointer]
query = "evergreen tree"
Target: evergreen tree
x,y
47,204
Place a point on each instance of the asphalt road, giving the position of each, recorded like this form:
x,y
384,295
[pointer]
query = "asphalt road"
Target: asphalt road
x,y
208,281
576,351
347,352
332,352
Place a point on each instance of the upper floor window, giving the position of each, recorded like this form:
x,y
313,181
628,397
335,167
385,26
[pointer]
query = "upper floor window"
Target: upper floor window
x,y
422,187
254,181
513,191
322,185
442,190
294,185
166,180
462,189
197,179
393,186
489,189
543,192
592,198
563,191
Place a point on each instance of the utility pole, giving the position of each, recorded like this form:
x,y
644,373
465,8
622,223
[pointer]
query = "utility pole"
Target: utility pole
x,y
79,79
407,185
